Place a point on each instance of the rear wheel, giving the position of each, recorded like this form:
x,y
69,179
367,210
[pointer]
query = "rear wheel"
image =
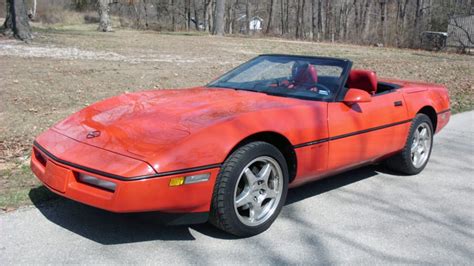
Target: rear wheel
x,y
416,153
250,190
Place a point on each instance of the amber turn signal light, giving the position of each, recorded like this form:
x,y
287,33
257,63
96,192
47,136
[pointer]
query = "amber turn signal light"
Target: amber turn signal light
x,y
176,181
184,180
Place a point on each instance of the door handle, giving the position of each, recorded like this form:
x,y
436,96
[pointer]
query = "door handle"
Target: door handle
x,y
398,103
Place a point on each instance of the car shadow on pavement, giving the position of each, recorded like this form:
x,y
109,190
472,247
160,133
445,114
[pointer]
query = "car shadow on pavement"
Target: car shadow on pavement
x,y
113,228
333,182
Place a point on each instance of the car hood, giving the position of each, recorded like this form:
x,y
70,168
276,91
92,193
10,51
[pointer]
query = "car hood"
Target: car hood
x,y
144,124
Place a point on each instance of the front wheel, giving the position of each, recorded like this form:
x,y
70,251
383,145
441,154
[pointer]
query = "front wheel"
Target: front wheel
x,y
416,153
250,190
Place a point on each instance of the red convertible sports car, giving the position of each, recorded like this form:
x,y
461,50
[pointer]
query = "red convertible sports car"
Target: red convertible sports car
x,y
228,152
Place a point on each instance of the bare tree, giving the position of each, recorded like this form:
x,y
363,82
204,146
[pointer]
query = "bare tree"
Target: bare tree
x,y
33,10
205,11
392,22
320,19
401,14
383,14
196,16
145,6
270,16
345,10
247,16
171,8
282,17
16,23
462,34
300,19
219,18
104,21
187,14
314,20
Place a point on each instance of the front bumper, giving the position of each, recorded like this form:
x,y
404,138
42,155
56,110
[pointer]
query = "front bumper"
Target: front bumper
x,y
150,194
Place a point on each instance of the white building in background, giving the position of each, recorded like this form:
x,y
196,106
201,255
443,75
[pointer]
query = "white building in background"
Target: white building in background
x,y
256,23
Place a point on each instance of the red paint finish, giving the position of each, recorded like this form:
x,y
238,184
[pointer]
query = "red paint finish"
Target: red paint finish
x,y
86,155
419,95
129,196
352,150
356,96
154,133
175,129
363,79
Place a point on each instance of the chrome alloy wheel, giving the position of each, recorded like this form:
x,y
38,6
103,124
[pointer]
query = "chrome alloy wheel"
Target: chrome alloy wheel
x,y
421,145
258,191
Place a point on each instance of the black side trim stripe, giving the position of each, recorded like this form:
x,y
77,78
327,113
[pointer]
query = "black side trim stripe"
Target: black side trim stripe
x,y
102,173
350,134
310,143
445,111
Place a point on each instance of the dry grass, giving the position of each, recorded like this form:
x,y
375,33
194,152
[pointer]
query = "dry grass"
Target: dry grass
x,y
57,15
69,67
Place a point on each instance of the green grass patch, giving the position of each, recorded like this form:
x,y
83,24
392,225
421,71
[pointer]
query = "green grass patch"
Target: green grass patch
x,y
19,187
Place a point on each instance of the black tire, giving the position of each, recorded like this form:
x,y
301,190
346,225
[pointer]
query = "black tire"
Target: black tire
x,y
402,161
223,215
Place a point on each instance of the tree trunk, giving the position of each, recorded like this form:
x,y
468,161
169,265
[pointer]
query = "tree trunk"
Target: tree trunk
x,y
211,15
228,19
300,19
328,19
366,23
33,12
207,3
357,19
187,14
196,16
173,18
158,11
104,21
270,17
314,19
219,18
247,17
320,19
417,23
287,17
16,23
145,6
303,7
383,13
282,16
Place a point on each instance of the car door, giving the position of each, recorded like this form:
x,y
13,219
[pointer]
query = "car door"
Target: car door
x,y
363,132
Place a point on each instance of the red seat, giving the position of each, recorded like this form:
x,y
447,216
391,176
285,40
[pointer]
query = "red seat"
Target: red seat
x,y
363,80
306,75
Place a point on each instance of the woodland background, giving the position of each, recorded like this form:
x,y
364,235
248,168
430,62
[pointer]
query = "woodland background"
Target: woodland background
x,y
397,23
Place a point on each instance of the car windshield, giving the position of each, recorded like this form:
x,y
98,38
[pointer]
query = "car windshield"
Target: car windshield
x,y
315,78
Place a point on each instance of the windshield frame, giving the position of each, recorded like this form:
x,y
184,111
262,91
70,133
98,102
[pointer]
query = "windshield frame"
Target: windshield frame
x,y
345,64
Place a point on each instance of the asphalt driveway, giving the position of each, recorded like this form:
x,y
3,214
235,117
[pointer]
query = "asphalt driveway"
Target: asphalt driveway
x,y
364,216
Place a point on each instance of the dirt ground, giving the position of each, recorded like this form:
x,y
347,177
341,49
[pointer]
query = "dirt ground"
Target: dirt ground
x,y
67,68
